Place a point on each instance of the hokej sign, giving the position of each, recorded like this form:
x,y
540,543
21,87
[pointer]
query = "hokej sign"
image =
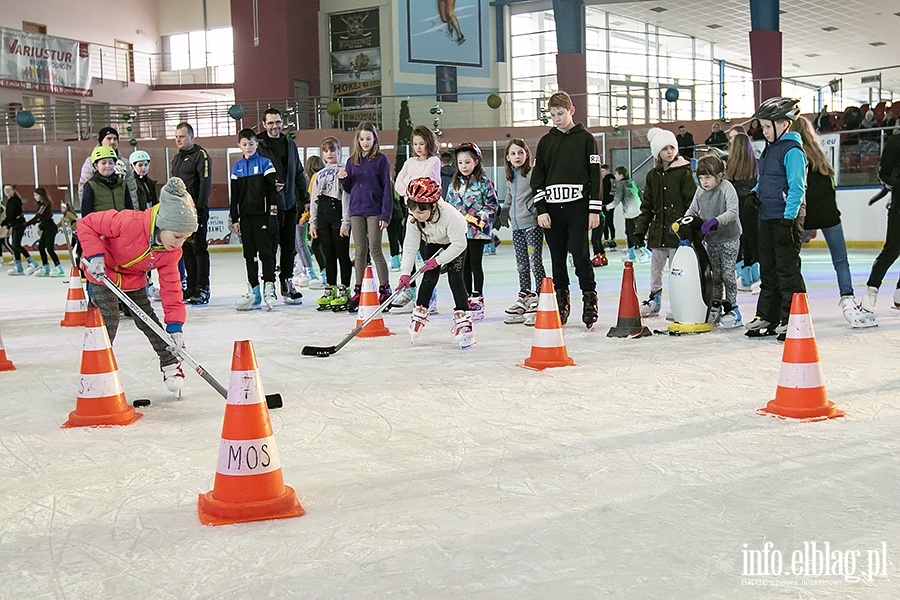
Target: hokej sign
x,y
44,63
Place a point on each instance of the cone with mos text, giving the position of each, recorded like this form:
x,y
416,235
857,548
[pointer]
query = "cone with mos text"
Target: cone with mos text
x,y
76,303
629,323
801,391
548,348
5,363
101,400
368,305
249,485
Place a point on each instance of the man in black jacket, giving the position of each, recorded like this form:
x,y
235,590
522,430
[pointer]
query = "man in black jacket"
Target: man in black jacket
x,y
717,139
685,142
193,166
290,181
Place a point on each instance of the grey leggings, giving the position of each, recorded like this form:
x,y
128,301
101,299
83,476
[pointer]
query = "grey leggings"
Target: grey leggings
x,y
106,301
722,258
367,234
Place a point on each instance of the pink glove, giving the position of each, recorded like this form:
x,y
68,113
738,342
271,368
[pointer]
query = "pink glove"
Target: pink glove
x,y
403,283
430,264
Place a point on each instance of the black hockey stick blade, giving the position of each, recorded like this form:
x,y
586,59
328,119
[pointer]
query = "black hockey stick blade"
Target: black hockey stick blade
x,y
274,401
321,351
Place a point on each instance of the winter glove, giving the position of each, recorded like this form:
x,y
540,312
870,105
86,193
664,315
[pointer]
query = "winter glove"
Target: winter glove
x,y
430,264
784,233
96,266
708,226
175,331
403,283
504,215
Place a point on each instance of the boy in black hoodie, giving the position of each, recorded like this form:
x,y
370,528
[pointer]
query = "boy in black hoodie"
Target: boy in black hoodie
x,y
566,184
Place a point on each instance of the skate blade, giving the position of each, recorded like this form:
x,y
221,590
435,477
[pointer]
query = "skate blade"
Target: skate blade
x,y
466,344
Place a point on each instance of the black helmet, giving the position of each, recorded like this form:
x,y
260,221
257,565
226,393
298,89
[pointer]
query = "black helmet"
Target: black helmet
x,y
468,147
778,108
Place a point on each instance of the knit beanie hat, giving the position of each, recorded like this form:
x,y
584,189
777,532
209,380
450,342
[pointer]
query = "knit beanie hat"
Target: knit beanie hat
x,y
659,139
105,132
870,115
176,208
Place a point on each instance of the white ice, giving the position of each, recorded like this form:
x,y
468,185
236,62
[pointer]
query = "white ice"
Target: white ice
x,y
432,472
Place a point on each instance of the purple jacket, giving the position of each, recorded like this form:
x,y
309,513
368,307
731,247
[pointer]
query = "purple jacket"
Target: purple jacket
x,y
369,186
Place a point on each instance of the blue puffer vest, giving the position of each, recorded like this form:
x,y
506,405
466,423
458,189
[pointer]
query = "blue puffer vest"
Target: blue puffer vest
x,y
773,186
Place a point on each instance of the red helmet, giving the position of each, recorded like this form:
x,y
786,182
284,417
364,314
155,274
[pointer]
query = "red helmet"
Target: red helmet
x,y
468,147
423,190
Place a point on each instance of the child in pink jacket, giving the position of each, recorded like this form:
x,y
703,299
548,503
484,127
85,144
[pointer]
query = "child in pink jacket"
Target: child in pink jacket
x,y
125,246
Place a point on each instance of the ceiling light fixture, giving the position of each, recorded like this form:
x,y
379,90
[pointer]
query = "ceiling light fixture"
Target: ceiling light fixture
x,y
659,9
876,44
829,28
714,26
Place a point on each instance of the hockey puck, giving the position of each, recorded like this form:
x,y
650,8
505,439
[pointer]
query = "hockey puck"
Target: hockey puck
x,y
141,402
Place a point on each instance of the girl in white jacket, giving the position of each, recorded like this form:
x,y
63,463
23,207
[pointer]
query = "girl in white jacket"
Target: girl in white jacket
x,y
434,225
626,193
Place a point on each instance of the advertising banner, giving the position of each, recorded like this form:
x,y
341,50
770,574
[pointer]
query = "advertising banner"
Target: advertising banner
x,y
356,66
44,63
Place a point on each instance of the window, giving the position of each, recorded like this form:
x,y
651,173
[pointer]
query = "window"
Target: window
x,y
124,61
198,49
29,27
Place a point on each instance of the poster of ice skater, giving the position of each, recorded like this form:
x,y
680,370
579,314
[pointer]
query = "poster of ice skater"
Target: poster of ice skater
x,y
447,32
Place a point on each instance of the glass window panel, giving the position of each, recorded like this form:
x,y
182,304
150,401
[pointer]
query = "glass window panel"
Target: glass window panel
x,y
221,46
197,49
180,49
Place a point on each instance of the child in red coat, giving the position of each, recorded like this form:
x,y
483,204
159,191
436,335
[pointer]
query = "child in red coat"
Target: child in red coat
x,y
126,245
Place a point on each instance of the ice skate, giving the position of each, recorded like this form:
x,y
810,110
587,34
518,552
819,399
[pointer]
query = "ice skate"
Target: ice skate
x,y
600,260
288,294
897,299
868,301
650,307
44,271
462,330
269,294
644,255
17,270
858,318
317,283
173,377
302,279
395,263
589,314
249,301
32,268
731,319
384,292
516,312
757,323
353,302
417,322
153,293
562,301
324,303
339,303
629,256
476,307
404,302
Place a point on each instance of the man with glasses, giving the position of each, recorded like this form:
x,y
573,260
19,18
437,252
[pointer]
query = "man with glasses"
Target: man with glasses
x,y
290,181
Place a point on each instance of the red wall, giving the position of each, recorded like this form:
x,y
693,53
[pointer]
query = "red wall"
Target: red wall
x,y
288,38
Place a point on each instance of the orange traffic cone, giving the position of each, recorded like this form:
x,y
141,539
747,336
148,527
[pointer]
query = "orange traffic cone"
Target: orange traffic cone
x,y
548,349
368,304
101,400
629,323
76,303
5,363
249,485
800,393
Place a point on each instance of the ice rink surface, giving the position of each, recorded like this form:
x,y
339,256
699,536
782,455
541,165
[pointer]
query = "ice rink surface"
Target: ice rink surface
x,y
432,472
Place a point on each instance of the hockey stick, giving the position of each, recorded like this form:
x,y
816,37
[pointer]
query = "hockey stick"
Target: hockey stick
x,y
272,400
323,351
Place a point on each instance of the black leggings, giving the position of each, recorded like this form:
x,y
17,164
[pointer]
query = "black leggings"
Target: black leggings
x,y
454,277
473,271
15,234
335,246
891,249
46,245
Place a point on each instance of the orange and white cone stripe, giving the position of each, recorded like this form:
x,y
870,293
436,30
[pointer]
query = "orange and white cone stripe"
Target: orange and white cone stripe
x,y
548,347
249,485
76,303
801,388
5,363
368,305
101,399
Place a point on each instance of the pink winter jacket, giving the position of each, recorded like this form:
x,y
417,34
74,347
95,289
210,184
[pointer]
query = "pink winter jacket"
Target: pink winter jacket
x,y
126,239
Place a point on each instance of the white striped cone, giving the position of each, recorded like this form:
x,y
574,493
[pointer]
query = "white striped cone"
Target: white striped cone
x,y
368,306
249,485
801,388
101,399
76,303
548,348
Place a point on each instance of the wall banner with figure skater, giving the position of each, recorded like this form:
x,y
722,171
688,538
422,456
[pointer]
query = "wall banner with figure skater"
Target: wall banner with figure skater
x,y
356,65
447,32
